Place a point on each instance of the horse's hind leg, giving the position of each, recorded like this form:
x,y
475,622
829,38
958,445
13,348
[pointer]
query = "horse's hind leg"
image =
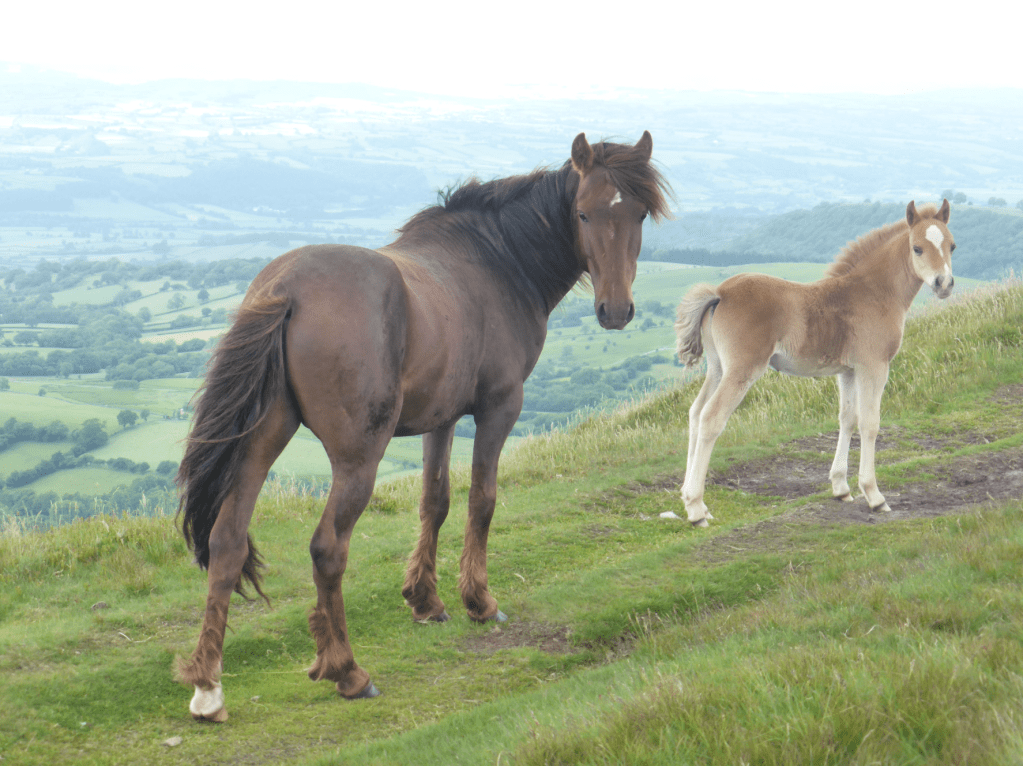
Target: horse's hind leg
x,y
735,381
229,551
420,589
349,494
839,474
869,388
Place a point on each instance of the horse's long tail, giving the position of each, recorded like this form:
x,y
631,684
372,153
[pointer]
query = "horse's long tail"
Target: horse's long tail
x,y
689,322
246,375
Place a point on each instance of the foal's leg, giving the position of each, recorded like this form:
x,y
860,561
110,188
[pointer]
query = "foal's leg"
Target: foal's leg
x,y
710,384
420,590
228,552
720,405
839,474
492,429
869,387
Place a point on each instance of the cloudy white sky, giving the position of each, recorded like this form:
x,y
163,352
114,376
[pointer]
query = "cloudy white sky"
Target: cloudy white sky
x,y
539,47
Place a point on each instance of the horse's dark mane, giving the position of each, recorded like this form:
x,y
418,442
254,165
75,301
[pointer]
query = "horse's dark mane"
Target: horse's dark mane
x,y
521,226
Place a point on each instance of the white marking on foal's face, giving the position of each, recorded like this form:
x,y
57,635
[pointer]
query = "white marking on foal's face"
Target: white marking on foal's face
x,y
935,237
616,199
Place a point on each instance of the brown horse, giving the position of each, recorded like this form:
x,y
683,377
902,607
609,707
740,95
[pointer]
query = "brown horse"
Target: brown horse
x,y
848,324
362,345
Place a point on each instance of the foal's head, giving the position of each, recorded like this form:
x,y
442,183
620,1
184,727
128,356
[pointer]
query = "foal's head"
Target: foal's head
x,y
932,246
618,188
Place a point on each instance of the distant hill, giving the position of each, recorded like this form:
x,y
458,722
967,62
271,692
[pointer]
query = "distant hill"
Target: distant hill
x,y
989,239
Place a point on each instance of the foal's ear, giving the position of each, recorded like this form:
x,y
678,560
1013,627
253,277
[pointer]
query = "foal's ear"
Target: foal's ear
x,y
645,146
944,212
582,154
911,214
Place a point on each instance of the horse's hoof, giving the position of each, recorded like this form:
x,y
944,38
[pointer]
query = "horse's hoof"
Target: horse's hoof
x,y
846,498
700,523
369,691
883,508
208,705
442,617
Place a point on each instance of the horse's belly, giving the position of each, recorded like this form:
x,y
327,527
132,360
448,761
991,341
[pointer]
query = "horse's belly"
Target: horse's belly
x,y
809,368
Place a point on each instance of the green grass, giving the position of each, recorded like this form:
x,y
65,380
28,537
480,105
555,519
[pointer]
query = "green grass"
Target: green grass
x,y
763,639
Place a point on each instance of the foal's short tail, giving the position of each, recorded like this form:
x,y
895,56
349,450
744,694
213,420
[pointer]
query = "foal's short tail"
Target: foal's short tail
x,y
689,322
246,375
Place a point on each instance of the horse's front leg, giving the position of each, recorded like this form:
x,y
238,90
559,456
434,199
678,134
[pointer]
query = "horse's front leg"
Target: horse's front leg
x,y
420,589
839,473
869,388
492,429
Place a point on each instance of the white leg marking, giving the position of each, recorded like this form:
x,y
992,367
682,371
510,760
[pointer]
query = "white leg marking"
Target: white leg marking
x,y
206,704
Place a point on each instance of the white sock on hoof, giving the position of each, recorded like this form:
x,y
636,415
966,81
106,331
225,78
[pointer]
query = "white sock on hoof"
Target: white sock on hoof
x,y
205,704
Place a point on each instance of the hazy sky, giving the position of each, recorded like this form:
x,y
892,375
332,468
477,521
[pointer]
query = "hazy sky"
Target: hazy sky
x,y
538,47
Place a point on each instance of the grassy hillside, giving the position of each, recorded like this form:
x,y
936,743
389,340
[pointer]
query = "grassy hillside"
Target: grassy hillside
x,y
795,630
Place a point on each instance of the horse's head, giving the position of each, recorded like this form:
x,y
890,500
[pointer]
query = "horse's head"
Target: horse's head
x,y
618,188
932,246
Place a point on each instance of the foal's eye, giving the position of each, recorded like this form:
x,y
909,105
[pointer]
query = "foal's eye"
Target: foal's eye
x,y
583,218
642,218
953,248
918,250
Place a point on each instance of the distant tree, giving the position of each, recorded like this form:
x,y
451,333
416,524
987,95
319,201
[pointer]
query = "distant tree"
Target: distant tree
x,y
203,295
42,392
996,202
145,314
959,198
26,338
1020,204
144,414
5,384
948,194
176,302
166,467
92,435
127,418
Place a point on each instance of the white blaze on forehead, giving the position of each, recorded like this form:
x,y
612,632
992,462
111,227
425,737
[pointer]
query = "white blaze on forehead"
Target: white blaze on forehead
x,y
934,236
616,199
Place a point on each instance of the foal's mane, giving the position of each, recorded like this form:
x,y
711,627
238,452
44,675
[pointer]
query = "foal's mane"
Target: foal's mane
x,y
873,242
515,224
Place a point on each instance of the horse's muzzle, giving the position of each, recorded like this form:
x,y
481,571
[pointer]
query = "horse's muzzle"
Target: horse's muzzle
x,y
943,286
615,319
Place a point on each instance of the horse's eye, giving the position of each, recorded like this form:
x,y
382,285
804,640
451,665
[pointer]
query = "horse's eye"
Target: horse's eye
x,y
918,250
642,218
953,248
583,218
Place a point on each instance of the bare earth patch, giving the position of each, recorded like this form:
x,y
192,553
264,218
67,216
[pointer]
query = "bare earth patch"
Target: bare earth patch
x,y
552,639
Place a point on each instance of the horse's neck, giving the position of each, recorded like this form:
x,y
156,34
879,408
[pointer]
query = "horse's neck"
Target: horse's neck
x,y
890,275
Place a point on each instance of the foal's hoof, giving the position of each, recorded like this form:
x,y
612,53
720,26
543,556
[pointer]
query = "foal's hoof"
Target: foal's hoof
x,y
369,691
442,617
883,508
700,523
846,498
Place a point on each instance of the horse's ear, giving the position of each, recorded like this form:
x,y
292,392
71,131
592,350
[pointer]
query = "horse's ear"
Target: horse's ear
x,y
945,212
645,146
911,214
582,154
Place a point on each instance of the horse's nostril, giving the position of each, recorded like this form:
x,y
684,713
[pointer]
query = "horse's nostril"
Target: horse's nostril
x,y
632,312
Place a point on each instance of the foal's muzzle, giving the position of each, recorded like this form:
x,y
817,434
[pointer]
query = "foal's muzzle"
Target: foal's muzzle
x,y
615,318
942,286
